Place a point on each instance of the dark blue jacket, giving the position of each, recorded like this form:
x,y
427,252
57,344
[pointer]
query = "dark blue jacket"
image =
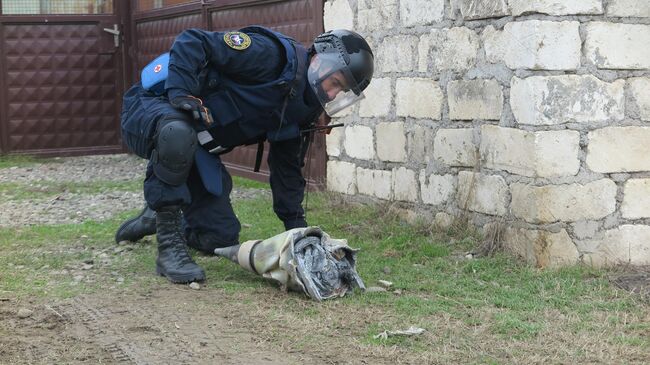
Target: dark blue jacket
x,y
247,92
248,87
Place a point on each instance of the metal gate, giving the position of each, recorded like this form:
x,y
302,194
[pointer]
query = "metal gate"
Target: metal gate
x,y
61,76
155,24
64,65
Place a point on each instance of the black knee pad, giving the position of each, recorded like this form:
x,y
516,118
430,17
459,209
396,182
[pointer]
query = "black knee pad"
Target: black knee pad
x,y
174,153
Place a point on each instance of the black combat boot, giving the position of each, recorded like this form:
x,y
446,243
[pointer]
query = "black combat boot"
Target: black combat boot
x,y
174,262
135,229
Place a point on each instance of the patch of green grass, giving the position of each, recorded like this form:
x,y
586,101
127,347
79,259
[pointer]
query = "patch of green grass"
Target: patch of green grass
x,y
11,160
431,282
241,182
516,325
44,260
257,218
637,341
484,360
222,273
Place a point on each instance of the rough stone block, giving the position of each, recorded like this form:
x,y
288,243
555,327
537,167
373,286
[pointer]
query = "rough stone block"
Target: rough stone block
x,y
378,100
556,153
482,193
639,97
541,248
391,141
436,189
534,154
337,14
475,99
376,183
556,7
418,98
548,100
453,49
482,9
584,229
424,45
619,149
421,12
443,220
359,142
636,199
405,185
565,203
618,46
407,215
535,45
455,147
453,10
420,140
377,14
333,142
341,177
396,54
629,8
627,244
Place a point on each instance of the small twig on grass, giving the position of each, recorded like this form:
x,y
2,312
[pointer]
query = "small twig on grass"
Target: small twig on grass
x,y
449,299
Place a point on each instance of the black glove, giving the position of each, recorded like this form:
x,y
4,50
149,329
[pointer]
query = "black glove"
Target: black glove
x,y
193,105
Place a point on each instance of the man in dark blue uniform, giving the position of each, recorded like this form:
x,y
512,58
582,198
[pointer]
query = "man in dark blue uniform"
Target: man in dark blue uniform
x,y
222,90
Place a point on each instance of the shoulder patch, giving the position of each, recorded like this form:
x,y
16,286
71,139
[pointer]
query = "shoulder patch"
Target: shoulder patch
x,y
237,40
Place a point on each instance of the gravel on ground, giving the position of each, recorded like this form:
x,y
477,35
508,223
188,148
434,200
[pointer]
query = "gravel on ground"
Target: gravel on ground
x,y
73,208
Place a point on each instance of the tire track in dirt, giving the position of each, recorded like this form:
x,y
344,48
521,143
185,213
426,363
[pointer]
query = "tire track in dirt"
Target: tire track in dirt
x,y
128,340
78,312
170,325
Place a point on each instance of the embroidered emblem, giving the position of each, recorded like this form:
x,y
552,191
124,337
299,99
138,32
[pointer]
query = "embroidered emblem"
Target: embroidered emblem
x,y
237,40
157,68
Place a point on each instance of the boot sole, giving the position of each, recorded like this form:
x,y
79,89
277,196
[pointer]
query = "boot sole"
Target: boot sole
x,y
181,279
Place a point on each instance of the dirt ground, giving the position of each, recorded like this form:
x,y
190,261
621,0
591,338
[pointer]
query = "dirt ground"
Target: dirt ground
x,y
167,324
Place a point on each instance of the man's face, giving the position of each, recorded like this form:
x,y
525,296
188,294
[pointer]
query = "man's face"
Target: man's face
x,y
334,84
329,79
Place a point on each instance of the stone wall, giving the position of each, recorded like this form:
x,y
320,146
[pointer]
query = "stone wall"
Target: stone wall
x,y
530,115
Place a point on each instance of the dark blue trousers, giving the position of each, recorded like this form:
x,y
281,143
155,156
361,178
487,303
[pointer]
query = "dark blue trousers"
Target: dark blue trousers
x,y
206,215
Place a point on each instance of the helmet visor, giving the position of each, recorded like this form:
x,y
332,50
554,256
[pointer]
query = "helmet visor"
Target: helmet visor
x,y
332,82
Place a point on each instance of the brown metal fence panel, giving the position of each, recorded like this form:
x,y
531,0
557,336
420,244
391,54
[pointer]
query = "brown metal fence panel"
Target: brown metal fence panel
x,y
60,87
61,76
156,36
293,18
144,5
23,7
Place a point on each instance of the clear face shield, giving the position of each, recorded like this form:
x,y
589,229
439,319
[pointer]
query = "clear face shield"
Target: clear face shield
x,y
333,83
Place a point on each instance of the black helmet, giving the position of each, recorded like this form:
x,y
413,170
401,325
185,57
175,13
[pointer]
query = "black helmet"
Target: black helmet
x,y
346,54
